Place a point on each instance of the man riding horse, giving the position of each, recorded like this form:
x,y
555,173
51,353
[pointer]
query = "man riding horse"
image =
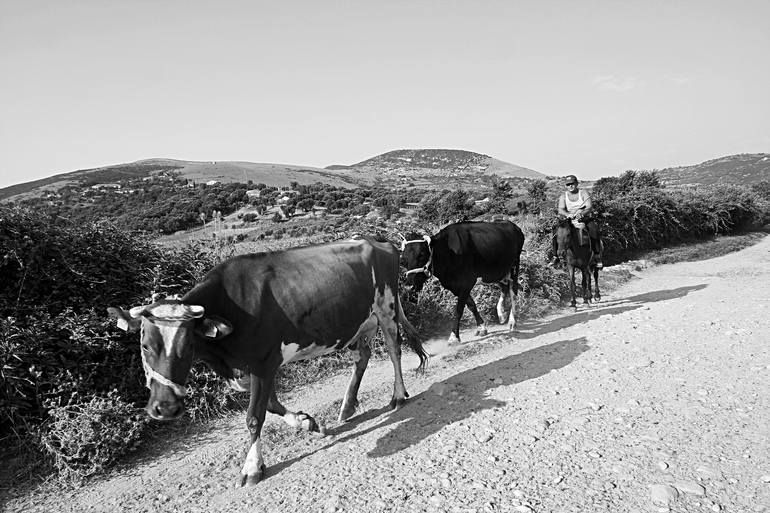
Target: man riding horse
x,y
575,204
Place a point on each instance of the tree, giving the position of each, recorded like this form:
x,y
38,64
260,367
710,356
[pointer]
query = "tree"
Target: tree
x,y
629,181
306,204
501,193
444,207
535,195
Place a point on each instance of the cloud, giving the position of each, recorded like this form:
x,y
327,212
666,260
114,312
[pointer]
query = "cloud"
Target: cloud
x,y
678,80
613,83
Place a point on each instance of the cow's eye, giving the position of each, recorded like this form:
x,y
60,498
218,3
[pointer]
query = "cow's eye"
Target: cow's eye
x,y
145,348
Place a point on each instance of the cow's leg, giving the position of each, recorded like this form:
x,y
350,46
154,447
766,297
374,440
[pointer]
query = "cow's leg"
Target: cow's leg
x,y
513,293
462,299
504,291
299,419
361,355
389,327
261,386
481,327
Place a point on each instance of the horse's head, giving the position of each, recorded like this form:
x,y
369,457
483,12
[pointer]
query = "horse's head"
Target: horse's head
x,y
565,235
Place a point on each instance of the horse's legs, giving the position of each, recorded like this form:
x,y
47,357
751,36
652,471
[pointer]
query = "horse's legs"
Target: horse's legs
x,y
586,285
597,294
571,271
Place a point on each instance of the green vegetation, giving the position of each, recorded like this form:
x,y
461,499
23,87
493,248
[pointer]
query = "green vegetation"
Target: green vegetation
x,y
637,213
72,385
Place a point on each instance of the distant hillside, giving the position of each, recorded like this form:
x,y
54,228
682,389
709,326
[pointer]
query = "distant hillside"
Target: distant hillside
x,y
426,167
743,169
402,168
225,172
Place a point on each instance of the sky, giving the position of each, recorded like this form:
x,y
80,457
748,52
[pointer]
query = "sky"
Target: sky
x,y
590,87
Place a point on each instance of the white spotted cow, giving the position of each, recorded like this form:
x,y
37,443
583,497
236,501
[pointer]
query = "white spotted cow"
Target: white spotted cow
x,y
257,312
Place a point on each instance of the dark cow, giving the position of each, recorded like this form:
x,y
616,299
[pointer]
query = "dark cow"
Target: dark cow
x,y
459,255
257,312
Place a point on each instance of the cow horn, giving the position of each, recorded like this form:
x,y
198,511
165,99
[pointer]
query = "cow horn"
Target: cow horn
x,y
137,311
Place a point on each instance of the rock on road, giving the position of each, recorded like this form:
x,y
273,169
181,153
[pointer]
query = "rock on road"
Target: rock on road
x,y
655,399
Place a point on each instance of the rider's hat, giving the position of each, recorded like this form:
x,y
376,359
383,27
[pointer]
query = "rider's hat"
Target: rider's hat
x,y
570,179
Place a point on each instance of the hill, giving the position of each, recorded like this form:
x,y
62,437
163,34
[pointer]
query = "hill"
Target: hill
x,y
226,172
426,167
742,169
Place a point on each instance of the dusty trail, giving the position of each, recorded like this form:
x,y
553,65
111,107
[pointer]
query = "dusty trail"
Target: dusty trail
x,y
656,399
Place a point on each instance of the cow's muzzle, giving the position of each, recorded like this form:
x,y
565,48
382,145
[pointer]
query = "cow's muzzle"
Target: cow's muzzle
x,y
164,410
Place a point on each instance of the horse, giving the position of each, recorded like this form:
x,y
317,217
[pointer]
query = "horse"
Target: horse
x,y
577,256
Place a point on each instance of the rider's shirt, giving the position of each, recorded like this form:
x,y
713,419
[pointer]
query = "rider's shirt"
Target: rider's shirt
x,y
573,206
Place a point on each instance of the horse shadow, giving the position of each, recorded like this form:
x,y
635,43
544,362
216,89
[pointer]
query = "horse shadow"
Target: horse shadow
x,y
451,400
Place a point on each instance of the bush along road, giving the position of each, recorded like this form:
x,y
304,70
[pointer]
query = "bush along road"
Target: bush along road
x,y
655,399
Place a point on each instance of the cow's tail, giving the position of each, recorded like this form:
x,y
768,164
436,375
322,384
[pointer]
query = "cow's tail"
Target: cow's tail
x,y
413,338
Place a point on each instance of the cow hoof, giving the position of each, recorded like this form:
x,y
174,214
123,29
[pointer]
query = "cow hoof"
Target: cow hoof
x,y
346,414
396,404
481,332
253,479
453,340
307,422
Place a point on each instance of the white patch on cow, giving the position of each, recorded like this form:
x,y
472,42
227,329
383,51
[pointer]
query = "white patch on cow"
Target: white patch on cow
x,y
356,354
383,303
512,320
254,460
176,311
501,309
292,352
170,333
295,420
240,384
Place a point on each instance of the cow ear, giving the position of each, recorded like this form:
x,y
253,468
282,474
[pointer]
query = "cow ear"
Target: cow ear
x,y
455,242
214,327
124,319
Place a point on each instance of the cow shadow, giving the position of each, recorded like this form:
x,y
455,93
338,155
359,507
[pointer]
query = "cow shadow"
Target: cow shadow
x,y
430,411
451,400
535,328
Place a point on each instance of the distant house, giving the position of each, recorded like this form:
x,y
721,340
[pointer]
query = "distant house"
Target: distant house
x,y
212,182
253,193
101,186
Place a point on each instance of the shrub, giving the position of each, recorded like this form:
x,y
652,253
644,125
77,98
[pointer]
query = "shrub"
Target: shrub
x,y
84,437
59,352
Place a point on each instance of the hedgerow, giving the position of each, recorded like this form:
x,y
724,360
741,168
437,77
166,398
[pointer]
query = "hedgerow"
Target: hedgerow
x,y
60,353
71,384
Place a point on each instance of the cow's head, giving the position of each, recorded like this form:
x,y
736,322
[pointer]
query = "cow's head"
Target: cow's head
x,y
168,330
416,256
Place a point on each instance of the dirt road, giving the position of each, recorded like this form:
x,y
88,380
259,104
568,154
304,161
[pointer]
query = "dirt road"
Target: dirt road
x,y
655,399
